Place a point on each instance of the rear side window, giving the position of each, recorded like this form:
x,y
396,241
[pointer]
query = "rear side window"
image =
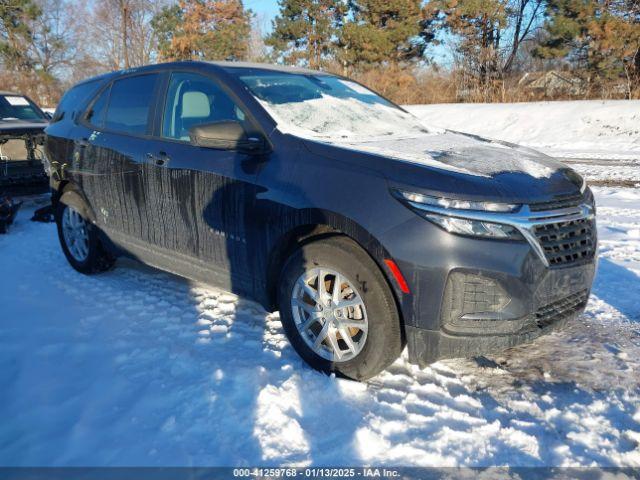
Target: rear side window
x,y
75,100
130,103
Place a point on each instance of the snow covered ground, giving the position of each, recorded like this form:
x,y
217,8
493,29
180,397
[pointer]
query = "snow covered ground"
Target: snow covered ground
x,y
592,135
574,129
139,367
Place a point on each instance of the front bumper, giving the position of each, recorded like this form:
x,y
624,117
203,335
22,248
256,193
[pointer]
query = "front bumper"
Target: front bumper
x,y
472,296
428,346
525,306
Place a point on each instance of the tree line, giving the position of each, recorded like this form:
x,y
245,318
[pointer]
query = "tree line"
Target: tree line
x,y
410,50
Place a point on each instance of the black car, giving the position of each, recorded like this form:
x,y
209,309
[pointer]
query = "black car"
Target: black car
x,y
22,125
316,197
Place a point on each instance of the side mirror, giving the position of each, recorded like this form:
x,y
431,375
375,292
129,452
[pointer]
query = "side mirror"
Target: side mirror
x,y
227,135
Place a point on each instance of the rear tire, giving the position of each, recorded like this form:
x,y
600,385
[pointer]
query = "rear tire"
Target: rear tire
x,y
359,319
79,237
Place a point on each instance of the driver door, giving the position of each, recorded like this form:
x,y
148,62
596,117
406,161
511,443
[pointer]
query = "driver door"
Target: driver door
x,y
201,200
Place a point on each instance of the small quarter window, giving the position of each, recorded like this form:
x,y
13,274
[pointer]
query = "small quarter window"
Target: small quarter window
x,y
96,114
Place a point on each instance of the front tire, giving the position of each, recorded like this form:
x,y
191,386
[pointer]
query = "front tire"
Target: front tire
x,y
79,237
338,310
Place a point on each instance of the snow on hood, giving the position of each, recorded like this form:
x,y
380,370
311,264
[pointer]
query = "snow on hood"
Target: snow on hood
x,y
393,133
459,153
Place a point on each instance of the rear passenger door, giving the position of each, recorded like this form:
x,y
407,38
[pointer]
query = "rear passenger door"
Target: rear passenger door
x,y
113,150
202,200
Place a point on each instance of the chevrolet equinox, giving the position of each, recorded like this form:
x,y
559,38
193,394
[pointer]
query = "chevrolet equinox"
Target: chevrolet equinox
x,y
368,230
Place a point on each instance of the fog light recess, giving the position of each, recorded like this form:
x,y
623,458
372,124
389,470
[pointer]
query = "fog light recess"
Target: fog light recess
x,y
474,304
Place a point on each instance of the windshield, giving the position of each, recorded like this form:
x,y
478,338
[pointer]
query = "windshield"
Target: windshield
x,y
328,107
17,107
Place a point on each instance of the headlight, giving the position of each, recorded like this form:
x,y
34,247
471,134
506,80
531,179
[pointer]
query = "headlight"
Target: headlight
x,y
450,215
475,228
457,204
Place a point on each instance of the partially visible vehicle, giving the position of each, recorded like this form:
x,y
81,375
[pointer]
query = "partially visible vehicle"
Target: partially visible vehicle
x,y
22,125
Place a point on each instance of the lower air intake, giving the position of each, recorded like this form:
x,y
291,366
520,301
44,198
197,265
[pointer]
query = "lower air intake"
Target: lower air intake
x,y
560,309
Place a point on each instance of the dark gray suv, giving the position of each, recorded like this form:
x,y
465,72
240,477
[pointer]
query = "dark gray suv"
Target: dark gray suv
x,y
311,194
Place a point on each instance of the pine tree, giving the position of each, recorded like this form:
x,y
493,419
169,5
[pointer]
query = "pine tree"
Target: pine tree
x,y
478,26
304,32
486,37
16,18
601,37
204,29
384,31
36,47
166,25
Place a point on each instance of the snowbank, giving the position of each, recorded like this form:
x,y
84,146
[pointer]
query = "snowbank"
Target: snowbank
x,y
138,367
576,129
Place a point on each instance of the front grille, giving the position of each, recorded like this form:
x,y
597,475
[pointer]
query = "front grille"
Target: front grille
x,y
567,201
560,309
567,243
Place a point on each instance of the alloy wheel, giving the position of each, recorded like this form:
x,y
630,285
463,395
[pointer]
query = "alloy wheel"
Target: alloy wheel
x,y
76,234
329,314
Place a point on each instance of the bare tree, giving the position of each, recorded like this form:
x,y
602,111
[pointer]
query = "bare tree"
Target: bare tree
x,y
257,50
55,41
525,18
122,34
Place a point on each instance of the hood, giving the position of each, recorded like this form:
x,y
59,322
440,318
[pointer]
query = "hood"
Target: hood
x,y
460,153
461,165
21,127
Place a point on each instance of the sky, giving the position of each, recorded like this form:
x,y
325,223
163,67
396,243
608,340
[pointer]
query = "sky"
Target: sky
x,y
266,10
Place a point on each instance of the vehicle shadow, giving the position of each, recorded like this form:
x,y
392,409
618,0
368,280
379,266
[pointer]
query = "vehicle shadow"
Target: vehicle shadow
x,y
298,414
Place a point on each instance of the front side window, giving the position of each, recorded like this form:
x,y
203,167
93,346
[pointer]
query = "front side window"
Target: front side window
x,y
193,100
130,103
327,107
17,107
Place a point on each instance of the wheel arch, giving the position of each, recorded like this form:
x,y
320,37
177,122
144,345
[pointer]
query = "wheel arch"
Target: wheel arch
x,y
315,226
74,197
